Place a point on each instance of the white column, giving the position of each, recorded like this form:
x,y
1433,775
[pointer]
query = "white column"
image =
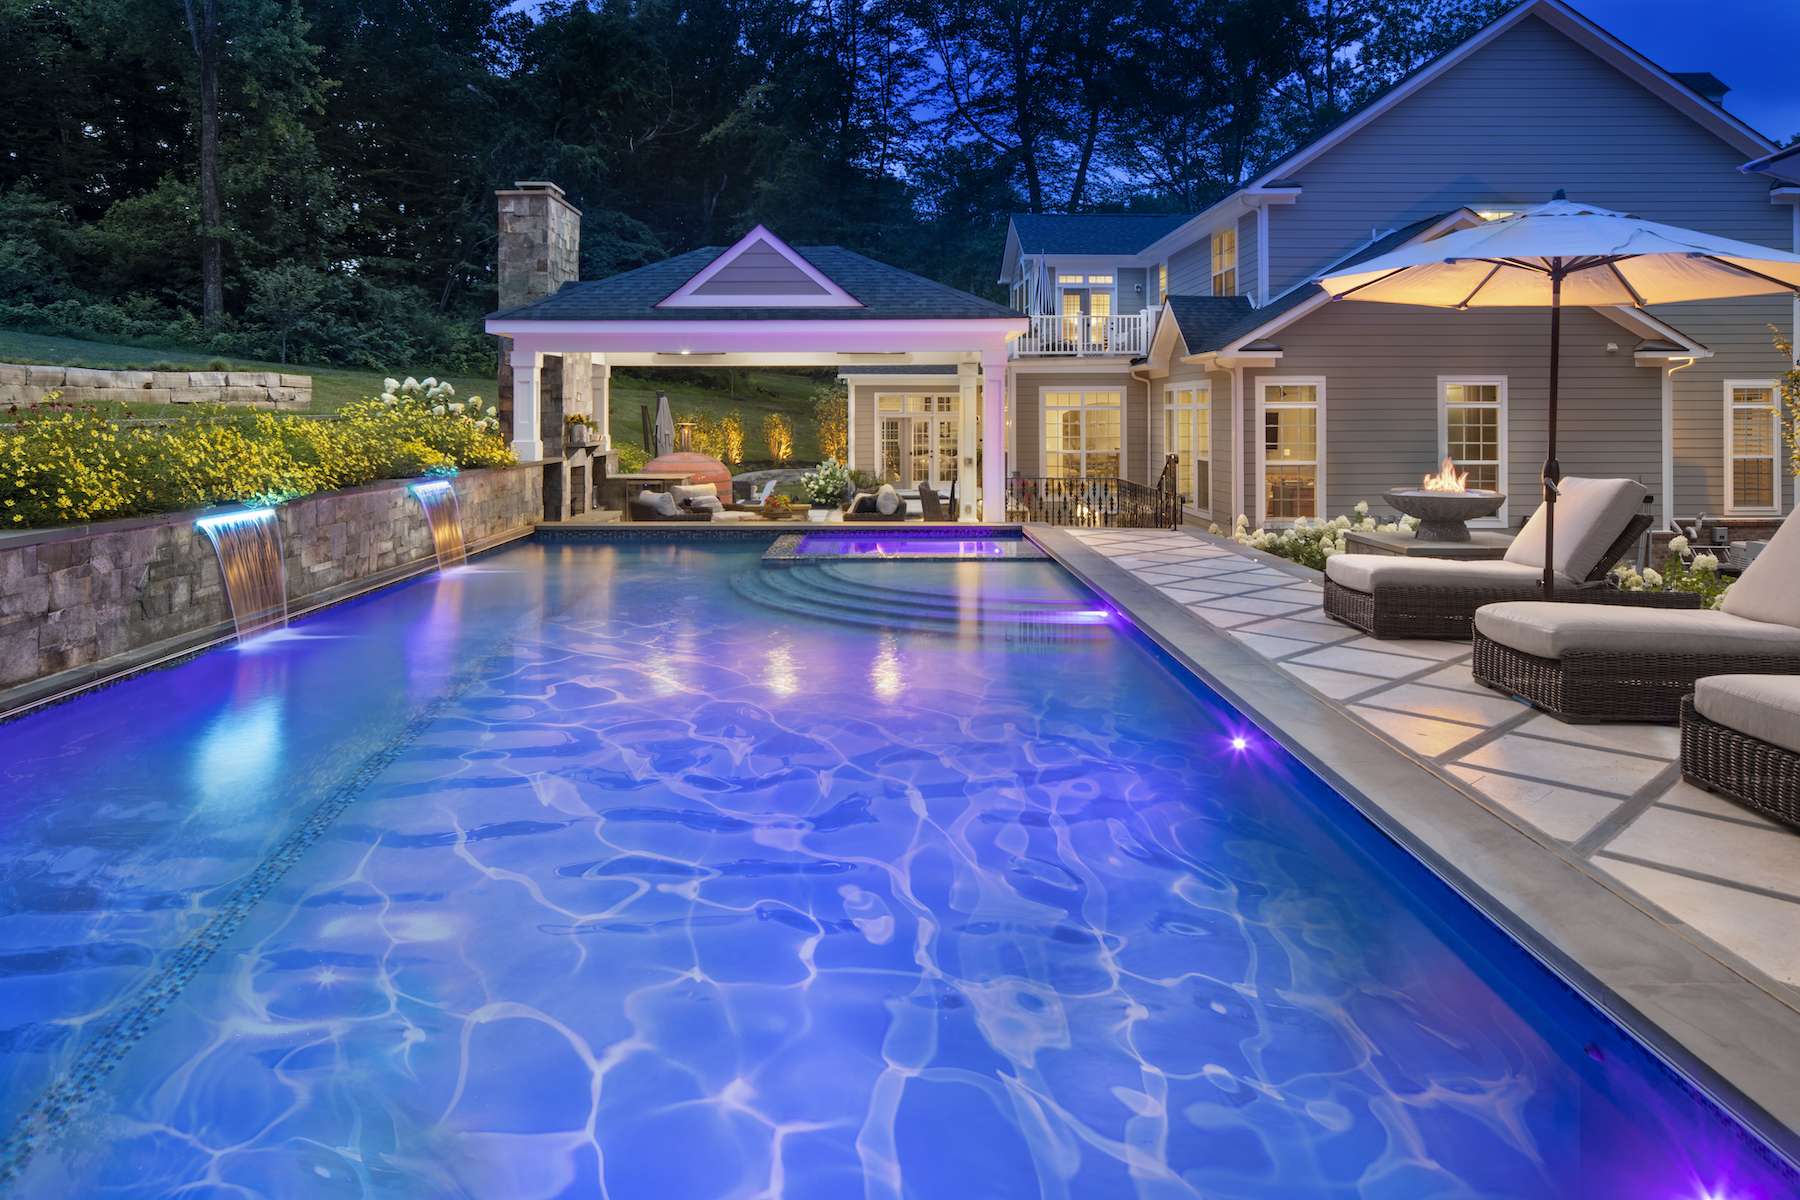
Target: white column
x,y
967,375
993,437
602,391
528,438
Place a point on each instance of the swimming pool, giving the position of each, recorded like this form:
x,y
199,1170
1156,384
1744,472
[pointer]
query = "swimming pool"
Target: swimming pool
x,y
579,867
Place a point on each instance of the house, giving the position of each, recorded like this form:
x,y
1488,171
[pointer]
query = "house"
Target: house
x,y
1131,338
1204,336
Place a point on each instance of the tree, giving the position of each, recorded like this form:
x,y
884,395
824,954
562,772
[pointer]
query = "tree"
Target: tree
x,y
203,32
285,297
831,409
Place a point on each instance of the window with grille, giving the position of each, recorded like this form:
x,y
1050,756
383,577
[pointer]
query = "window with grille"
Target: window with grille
x,y
1752,445
1472,427
1293,448
1224,262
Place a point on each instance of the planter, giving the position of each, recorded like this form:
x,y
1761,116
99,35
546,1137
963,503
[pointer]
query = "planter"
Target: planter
x,y
578,435
820,514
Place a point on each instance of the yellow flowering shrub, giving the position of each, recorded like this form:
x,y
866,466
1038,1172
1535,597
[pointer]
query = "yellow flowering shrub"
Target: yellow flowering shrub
x,y
60,466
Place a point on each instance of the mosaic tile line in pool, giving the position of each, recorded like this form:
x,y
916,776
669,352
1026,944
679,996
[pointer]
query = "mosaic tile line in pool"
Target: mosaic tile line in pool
x,y
45,1117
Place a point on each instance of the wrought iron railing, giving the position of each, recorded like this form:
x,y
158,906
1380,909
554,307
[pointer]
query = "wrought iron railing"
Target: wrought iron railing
x,y
1105,502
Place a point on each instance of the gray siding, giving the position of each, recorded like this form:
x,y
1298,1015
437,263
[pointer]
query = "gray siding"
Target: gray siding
x,y
1133,289
760,271
1026,390
1248,252
1530,113
1190,270
862,426
1381,365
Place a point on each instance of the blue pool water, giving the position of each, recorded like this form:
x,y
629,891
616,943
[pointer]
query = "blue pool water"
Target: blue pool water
x,y
581,871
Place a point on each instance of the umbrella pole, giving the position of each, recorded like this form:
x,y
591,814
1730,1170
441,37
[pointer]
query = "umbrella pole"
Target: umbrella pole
x,y
1552,469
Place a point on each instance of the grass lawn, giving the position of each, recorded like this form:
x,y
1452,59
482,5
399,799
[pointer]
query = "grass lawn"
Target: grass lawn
x,y
712,391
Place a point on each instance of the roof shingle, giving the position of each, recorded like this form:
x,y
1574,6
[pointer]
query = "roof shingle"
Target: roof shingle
x,y
885,292
1092,233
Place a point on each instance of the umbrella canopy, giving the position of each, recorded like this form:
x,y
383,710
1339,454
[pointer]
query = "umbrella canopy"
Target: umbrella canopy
x,y
1594,256
665,426
1565,252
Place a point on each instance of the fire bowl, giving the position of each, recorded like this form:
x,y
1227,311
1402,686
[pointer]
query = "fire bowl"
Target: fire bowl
x,y
1442,514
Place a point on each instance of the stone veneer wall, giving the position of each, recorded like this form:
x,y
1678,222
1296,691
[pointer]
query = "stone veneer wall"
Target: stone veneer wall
x,y
80,603
20,384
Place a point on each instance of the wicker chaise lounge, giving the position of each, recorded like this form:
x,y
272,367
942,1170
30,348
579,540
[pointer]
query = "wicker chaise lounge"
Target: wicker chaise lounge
x,y
1740,737
1598,522
1592,662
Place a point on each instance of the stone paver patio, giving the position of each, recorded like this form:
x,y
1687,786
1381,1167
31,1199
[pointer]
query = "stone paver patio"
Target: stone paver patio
x,y
1609,797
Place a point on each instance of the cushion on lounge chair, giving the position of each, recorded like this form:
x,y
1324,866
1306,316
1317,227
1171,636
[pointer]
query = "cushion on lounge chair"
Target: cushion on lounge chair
x,y
1763,706
865,502
702,503
684,493
1769,588
887,500
1362,572
663,503
1590,515
1553,630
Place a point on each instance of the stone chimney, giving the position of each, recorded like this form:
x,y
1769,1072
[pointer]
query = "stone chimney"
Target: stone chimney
x,y
540,242
539,251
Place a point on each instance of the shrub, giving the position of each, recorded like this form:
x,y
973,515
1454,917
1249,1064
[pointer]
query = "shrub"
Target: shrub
x,y
831,409
778,435
632,457
827,483
60,465
1309,541
1682,571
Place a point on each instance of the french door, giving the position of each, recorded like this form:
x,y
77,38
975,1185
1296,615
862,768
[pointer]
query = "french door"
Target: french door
x,y
919,439
1187,434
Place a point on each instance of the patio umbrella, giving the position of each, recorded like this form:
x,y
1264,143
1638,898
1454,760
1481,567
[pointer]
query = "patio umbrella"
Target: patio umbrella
x,y
1565,252
665,426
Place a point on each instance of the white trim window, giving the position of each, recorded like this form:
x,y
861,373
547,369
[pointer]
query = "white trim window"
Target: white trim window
x,y
1752,447
1225,261
1290,453
1083,432
1472,427
1162,283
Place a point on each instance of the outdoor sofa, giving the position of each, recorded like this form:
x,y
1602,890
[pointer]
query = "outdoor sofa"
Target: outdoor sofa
x,y
869,506
666,506
1740,737
1598,521
1595,662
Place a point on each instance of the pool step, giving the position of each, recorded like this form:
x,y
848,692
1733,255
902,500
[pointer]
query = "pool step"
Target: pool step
x,y
813,592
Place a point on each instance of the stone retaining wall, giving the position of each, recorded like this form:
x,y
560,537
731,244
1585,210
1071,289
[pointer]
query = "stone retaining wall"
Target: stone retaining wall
x,y
22,384
80,603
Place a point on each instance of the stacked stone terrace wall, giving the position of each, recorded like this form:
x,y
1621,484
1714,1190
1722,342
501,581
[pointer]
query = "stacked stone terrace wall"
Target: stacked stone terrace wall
x,y
28,384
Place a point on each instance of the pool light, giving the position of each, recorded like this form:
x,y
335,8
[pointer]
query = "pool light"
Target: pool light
x,y
1240,742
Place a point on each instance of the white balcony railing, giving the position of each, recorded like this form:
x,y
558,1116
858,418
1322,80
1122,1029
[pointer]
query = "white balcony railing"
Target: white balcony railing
x,y
1084,336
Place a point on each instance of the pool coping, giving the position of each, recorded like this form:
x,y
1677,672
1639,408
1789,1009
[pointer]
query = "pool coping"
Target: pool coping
x,y
1732,1039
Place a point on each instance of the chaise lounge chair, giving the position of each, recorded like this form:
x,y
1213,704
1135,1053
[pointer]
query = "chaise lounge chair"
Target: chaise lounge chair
x,y
662,506
1596,662
1597,523
1740,737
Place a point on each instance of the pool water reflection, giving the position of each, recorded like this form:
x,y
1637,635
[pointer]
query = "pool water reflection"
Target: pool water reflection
x,y
640,890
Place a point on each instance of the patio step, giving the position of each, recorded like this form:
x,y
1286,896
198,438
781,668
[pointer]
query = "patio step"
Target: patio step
x,y
813,592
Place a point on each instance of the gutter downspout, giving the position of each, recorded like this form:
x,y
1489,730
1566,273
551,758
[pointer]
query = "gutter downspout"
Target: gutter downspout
x,y
1668,439
1237,443
1150,471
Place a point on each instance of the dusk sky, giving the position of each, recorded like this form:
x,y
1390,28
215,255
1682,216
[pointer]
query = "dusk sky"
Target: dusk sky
x,y
1750,44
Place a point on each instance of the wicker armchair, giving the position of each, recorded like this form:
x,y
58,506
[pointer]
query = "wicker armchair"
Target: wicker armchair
x,y
1740,766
